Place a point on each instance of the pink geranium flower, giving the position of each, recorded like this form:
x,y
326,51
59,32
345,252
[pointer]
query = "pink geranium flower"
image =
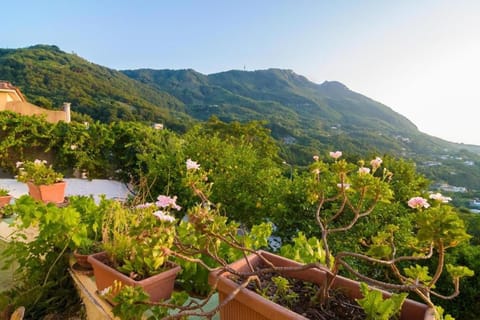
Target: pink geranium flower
x,y
335,155
418,202
167,202
375,163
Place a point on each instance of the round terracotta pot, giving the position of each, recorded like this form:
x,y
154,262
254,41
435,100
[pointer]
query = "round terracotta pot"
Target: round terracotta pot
x,y
48,193
82,260
4,200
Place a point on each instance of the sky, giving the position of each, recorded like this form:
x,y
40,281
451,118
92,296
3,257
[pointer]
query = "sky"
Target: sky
x,y
419,57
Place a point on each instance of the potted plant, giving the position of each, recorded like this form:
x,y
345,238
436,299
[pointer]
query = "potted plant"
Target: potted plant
x,y
44,183
136,242
92,216
5,197
343,193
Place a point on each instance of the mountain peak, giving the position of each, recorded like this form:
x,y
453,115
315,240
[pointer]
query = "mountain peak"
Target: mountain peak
x,y
334,85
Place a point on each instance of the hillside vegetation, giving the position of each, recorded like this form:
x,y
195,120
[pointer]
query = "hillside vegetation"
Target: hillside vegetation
x,y
48,76
305,118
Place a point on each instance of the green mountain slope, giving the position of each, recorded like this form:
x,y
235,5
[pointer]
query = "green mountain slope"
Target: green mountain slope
x,y
298,111
306,118
48,76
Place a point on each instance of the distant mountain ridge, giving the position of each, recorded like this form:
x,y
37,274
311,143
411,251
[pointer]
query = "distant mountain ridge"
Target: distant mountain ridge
x,y
305,117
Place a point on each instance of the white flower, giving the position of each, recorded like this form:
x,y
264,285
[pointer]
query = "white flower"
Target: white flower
x,y
363,170
439,197
192,165
162,216
105,291
144,205
19,164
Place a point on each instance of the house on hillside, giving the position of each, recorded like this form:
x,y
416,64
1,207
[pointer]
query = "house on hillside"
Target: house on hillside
x,y
11,99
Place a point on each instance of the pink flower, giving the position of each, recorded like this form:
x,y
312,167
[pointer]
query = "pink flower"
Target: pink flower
x,y
439,197
192,165
19,164
363,170
144,205
335,155
166,202
418,202
38,162
162,216
375,163
315,158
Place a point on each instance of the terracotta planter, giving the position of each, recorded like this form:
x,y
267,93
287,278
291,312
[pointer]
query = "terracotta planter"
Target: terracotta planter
x,y
249,305
4,200
48,193
159,286
82,260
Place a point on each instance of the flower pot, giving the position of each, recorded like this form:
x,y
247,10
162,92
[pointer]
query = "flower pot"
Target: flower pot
x,y
48,193
159,286
4,200
82,260
250,305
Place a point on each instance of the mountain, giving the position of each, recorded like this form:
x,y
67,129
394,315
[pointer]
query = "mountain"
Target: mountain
x,y
297,110
305,117
48,76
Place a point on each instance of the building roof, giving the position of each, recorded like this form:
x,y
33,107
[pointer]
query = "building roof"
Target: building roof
x,y
7,86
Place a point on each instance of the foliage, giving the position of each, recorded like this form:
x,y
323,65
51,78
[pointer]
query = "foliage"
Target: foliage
x,y
42,281
48,76
138,240
344,193
378,308
125,309
284,291
304,250
22,137
37,172
4,192
248,182
92,216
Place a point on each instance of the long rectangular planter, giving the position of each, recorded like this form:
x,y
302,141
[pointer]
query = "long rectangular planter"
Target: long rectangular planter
x,y
252,306
159,286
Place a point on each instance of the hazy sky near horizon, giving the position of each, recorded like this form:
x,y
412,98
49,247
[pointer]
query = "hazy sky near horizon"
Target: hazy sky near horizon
x,y
419,57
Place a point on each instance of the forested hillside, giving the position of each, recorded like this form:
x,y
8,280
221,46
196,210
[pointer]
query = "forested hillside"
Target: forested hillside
x,y
305,118
48,76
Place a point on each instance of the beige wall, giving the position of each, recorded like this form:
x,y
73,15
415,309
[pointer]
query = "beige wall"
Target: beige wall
x,y
29,109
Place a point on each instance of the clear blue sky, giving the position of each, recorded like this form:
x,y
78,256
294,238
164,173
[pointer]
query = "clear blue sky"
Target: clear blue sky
x,y
421,58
